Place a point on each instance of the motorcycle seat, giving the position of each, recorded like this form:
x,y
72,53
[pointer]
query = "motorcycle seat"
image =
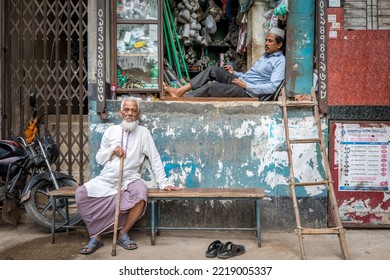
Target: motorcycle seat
x,y
11,149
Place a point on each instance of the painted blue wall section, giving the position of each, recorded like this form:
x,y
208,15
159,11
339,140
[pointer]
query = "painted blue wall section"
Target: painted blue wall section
x,y
222,144
300,47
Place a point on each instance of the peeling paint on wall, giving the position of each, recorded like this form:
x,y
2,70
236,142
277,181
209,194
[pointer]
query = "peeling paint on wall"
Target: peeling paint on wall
x,y
215,145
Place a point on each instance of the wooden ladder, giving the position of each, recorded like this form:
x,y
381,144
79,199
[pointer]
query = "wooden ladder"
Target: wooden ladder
x,y
328,182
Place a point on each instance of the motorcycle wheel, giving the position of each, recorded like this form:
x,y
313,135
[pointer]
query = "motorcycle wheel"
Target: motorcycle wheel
x,y
39,207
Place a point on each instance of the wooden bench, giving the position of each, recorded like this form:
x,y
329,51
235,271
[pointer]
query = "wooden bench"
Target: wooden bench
x,y
156,195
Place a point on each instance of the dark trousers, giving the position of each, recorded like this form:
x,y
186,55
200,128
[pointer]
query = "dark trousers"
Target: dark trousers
x,y
215,82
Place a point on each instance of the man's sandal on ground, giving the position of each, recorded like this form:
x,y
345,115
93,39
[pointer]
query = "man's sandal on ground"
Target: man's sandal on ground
x,y
92,246
230,250
214,248
126,242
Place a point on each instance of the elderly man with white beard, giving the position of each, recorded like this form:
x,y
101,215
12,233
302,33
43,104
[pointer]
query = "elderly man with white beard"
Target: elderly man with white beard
x,y
96,199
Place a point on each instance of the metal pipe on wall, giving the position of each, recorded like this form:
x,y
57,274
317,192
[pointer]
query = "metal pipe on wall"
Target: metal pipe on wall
x,y
300,47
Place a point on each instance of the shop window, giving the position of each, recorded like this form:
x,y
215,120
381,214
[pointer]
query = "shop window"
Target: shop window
x,y
366,14
171,41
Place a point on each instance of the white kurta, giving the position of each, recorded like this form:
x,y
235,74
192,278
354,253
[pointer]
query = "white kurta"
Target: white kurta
x,y
140,144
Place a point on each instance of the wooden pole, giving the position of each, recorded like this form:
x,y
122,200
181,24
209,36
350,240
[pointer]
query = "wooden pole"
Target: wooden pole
x,y
118,202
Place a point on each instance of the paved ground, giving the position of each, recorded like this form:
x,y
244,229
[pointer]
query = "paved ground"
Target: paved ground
x,y
30,242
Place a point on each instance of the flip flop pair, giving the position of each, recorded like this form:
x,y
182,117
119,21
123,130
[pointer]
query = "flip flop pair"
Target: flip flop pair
x,y
224,251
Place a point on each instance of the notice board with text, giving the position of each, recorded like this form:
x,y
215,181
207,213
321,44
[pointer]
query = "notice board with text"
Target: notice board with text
x,y
360,159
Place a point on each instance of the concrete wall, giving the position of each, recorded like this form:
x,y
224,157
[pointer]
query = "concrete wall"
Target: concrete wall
x,y
222,144
229,144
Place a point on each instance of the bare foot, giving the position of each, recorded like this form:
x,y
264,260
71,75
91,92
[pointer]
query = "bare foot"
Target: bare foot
x,y
303,97
170,91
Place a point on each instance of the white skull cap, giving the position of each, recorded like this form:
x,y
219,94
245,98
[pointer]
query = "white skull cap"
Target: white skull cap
x,y
277,31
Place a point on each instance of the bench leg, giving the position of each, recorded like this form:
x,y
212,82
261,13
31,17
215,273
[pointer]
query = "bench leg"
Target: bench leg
x,y
258,230
152,204
67,222
158,216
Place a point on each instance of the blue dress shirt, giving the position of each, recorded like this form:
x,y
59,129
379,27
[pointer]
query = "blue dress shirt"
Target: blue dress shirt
x,y
265,75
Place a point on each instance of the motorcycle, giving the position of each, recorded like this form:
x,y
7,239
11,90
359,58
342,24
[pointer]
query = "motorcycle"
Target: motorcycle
x,y
27,177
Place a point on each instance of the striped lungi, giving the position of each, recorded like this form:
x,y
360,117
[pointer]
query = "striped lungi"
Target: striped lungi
x,y
98,213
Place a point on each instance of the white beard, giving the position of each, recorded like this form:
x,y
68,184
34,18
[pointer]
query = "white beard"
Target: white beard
x,y
129,126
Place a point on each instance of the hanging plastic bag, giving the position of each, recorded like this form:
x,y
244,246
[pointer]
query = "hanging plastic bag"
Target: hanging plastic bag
x,y
273,21
281,9
210,25
245,5
242,34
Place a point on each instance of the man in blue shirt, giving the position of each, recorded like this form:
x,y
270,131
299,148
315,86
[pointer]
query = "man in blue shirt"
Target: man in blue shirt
x,y
262,78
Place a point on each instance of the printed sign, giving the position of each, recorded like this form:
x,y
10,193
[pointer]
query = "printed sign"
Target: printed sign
x,y
334,3
363,157
335,25
333,34
332,18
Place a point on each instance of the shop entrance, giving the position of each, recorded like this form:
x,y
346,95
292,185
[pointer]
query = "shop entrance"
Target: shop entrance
x,y
45,51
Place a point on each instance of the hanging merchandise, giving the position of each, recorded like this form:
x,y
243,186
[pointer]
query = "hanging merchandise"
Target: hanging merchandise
x,y
273,21
189,22
268,15
232,35
242,34
278,13
203,62
224,3
230,57
282,8
210,25
215,11
245,5
228,10
281,12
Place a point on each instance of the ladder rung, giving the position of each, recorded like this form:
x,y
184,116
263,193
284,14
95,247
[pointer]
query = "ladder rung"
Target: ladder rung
x,y
301,104
314,231
308,140
325,182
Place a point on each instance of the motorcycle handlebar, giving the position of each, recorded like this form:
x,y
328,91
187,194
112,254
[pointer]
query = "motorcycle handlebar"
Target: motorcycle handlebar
x,y
35,113
33,104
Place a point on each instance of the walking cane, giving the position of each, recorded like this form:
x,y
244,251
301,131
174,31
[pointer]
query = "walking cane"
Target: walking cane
x,y
118,202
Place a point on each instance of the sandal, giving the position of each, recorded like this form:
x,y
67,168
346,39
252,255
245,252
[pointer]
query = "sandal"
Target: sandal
x,y
230,250
126,242
92,246
213,249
